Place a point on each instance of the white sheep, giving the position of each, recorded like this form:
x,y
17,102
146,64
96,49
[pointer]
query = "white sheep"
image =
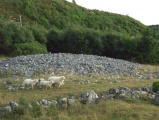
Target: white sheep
x,y
30,82
45,83
40,79
57,80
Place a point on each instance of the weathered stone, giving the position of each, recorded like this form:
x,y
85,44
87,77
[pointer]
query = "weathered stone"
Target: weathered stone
x,y
89,97
8,108
44,102
50,63
122,95
126,89
62,102
71,100
157,100
112,91
92,96
13,105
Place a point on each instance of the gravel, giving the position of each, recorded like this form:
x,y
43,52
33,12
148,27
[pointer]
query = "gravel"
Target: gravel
x,y
74,63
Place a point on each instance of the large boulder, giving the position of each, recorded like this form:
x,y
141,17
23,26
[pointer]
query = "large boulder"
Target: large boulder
x,y
44,102
13,105
84,98
92,96
89,97
62,102
71,100
146,89
126,89
112,92
157,98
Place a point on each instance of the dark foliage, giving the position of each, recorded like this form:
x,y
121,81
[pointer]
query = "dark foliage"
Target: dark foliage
x,y
155,86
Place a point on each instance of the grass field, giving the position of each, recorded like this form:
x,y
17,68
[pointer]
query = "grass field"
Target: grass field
x,y
142,108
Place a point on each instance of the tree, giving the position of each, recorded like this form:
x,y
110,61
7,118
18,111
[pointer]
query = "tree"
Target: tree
x,y
40,34
54,41
148,49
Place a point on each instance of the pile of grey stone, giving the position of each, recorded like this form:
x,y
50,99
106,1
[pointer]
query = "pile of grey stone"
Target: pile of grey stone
x,y
74,63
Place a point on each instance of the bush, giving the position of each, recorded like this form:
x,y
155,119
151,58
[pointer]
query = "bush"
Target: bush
x,y
21,40
155,86
29,48
40,34
9,82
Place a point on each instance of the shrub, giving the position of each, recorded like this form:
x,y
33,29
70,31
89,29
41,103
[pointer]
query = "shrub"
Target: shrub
x,y
9,82
29,48
40,34
155,86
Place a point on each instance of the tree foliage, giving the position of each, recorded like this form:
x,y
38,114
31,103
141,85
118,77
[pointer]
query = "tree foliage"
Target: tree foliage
x,y
13,39
155,86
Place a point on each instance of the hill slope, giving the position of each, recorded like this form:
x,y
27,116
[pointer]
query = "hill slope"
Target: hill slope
x,y
61,13
33,26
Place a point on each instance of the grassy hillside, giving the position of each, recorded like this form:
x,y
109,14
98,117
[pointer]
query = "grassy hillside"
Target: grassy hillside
x,y
41,26
61,13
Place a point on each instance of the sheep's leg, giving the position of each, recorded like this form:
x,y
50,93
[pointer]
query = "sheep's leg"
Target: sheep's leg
x,y
27,85
32,87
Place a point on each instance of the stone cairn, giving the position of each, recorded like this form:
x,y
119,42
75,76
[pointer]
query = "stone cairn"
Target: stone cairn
x,y
73,63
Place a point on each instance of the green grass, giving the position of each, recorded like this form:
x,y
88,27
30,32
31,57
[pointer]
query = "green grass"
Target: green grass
x,y
117,109
2,57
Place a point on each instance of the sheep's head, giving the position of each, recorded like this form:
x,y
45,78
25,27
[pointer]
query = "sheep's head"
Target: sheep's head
x,y
63,78
35,81
51,82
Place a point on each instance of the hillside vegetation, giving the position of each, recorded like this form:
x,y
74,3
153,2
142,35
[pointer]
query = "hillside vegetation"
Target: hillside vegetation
x,y
33,26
